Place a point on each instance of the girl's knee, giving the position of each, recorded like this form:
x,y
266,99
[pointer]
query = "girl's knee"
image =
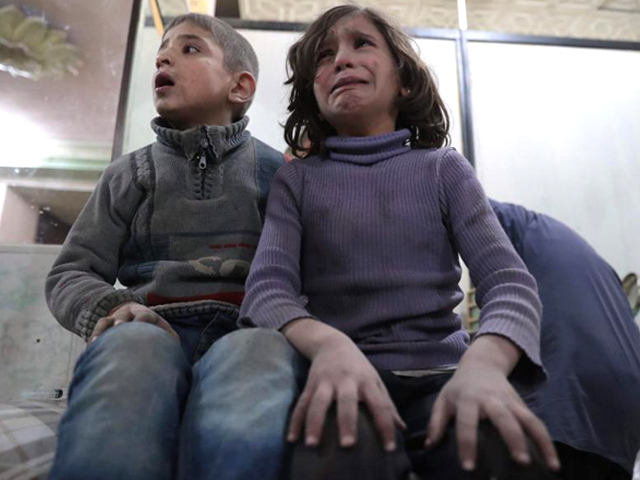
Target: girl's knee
x,y
367,460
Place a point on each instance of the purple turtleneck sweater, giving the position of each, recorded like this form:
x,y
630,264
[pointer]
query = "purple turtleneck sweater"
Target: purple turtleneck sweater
x,y
366,240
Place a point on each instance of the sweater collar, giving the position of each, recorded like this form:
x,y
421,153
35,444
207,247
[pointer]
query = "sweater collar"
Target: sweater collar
x,y
218,139
368,150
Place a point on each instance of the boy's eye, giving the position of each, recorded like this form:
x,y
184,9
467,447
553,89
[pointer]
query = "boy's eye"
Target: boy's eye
x,y
190,49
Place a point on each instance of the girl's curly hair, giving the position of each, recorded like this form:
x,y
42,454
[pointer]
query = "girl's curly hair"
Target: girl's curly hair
x,y
422,110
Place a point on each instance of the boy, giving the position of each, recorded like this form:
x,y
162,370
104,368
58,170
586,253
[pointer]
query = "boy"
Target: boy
x,y
177,223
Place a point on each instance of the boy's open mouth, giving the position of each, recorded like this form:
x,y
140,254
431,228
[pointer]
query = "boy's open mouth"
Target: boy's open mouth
x,y
163,79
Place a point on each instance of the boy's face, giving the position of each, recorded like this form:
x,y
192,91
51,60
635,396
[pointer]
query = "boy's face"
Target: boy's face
x,y
191,86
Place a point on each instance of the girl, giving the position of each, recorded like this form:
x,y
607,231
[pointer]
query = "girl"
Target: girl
x,y
358,260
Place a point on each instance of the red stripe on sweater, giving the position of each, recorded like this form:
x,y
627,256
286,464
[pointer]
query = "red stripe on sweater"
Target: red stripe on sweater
x,y
233,245
228,297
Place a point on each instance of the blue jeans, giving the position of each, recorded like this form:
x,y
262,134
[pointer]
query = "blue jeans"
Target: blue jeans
x,y
139,409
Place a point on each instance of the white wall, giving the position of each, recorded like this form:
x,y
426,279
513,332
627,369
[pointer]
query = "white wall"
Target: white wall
x,y
557,130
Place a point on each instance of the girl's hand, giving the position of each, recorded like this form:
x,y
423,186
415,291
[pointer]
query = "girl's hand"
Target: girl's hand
x,y
340,372
480,389
131,312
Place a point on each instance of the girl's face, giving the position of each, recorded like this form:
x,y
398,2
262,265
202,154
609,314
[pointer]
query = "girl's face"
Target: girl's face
x,y
356,83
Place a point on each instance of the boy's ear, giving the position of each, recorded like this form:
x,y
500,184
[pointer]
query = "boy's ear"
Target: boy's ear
x,y
244,88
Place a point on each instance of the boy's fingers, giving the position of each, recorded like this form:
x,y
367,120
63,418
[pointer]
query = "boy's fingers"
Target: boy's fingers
x,y
467,418
510,430
169,330
164,325
347,400
122,316
153,318
101,325
382,411
540,435
147,316
316,414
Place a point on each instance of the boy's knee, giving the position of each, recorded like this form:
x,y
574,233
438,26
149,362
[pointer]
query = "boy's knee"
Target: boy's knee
x,y
138,340
260,344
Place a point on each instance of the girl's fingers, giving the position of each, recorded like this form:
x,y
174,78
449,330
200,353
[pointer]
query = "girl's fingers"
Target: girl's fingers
x,y
540,435
382,410
503,418
397,419
298,416
440,416
347,400
316,414
467,419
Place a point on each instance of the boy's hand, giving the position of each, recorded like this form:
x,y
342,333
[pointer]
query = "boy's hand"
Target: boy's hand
x,y
340,372
131,312
481,390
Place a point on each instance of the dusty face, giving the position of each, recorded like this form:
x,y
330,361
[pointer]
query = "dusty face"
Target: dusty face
x,y
191,85
357,84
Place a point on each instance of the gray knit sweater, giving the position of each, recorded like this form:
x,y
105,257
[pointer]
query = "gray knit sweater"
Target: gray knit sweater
x,y
367,241
177,221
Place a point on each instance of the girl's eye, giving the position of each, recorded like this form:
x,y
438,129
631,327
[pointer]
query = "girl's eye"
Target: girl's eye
x,y
362,42
324,54
190,49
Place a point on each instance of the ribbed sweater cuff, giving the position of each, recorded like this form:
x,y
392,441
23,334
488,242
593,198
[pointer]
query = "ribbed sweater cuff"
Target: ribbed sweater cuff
x,y
529,373
88,317
274,318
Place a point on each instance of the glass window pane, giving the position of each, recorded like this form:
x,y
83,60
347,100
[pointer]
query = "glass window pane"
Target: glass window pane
x,y
57,116
556,130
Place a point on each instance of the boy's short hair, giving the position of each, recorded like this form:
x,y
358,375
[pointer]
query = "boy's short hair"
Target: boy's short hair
x,y
238,53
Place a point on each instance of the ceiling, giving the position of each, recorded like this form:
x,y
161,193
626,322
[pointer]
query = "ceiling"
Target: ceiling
x,y
601,19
